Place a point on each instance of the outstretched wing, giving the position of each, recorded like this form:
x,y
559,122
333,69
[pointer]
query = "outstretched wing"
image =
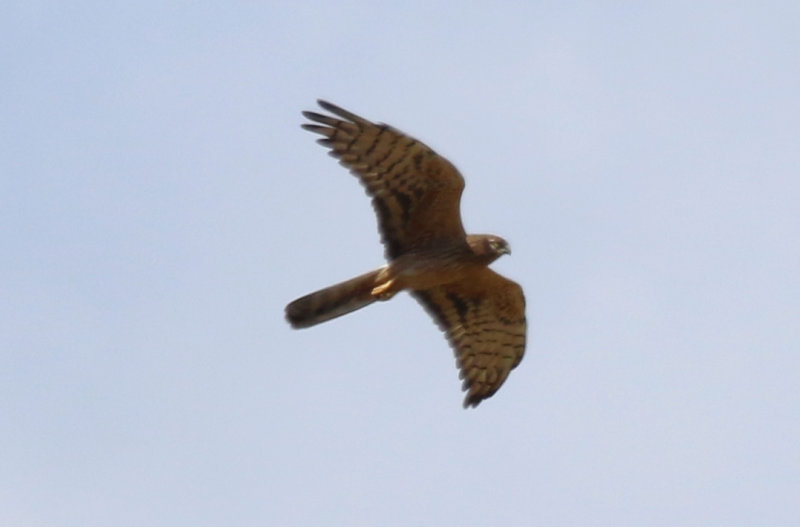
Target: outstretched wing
x,y
415,192
484,320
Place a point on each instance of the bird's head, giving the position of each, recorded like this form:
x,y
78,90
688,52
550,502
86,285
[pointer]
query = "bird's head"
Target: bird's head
x,y
488,246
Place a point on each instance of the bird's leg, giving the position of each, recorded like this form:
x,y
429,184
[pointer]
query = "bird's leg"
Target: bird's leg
x,y
385,290
386,284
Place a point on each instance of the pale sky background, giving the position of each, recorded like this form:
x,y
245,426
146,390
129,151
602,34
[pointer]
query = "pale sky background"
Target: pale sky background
x,y
159,205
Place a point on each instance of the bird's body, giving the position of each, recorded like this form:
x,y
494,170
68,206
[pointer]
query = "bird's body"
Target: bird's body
x,y
416,195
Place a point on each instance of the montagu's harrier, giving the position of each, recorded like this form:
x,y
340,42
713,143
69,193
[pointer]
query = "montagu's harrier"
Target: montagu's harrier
x,y
416,195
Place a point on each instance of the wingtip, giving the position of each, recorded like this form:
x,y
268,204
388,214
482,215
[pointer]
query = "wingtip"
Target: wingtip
x,y
327,105
340,112
472,401
316,128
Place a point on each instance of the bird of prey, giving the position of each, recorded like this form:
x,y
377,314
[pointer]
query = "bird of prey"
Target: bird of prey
x,y
416,195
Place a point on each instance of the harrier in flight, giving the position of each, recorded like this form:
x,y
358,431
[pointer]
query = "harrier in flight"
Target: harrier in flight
x,y
416,195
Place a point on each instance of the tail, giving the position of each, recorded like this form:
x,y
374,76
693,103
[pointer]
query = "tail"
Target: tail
x,y
333,301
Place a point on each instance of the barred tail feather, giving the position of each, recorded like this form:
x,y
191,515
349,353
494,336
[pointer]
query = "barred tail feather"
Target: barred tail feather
x,y
332,302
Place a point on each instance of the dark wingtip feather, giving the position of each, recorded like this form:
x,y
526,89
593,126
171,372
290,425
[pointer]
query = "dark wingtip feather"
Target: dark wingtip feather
x,y
329,106
317,129
472,401
341,112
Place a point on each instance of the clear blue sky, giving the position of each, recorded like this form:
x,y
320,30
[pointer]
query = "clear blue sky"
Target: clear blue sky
x,y
159,205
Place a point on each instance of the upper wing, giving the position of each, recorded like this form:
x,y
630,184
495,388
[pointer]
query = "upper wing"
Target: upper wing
x,y
484,319
415,192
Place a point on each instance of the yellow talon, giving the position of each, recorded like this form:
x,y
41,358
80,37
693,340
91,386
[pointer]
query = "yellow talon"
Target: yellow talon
x,y
383,291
